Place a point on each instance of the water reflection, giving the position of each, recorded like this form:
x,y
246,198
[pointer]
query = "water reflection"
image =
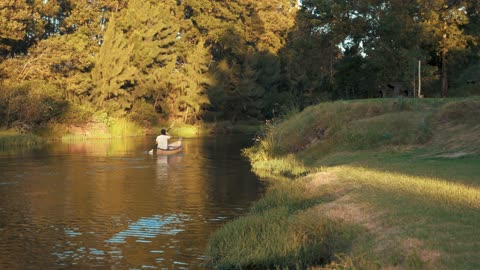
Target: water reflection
x,y
150,227
165,162
108,204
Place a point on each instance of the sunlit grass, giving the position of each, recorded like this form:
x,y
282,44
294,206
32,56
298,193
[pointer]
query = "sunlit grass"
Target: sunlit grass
x,y
442,216
416,162
185,131
121,127
113,128
9,138
286,166
83,137
341,125
409,161
431,190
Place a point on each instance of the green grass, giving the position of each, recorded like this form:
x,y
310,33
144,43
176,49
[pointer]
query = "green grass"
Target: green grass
x,y
204,129
442,215
413,163
278,234
103,128
185,130
11,138
409,162
121,127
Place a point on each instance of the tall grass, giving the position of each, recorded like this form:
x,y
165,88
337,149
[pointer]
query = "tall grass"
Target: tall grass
x,y
369,124
121,127
384,153
113,128
277,234
286,166
185,130
11,138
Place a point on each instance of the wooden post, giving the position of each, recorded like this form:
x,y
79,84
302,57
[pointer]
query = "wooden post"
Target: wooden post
x,y
420,78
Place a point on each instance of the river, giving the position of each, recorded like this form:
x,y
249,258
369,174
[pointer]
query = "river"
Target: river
x,y
107,204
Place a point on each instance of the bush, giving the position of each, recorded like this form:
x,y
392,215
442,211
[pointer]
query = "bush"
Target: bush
x,y
76,114
31,102
9,138
460,112
144,114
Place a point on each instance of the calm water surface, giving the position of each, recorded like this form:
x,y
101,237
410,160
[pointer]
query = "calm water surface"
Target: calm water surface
x,y
107,204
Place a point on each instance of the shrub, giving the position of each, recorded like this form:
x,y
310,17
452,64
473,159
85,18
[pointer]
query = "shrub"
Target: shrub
x,y
31,102
460,112
144,114
9,138
121,127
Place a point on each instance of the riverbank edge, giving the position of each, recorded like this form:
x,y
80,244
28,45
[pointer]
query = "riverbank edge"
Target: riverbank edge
x,y
366,231
91,131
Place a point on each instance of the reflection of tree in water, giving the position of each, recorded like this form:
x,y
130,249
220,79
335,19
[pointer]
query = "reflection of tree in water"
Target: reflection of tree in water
x,y
79,201
98,148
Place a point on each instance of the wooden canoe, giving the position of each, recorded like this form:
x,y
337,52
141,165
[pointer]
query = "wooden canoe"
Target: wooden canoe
x,y
173,148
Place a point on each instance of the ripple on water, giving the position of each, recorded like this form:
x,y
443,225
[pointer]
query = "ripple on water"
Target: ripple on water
x,y
150,227
8,183
99,208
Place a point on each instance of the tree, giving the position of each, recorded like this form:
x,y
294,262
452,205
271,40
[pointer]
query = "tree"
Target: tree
x,y
13,26
188,91
443,25
113,72
240,35
154,37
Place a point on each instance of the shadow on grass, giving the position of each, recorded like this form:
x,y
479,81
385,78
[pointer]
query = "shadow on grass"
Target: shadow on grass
x,y
465,170
443,215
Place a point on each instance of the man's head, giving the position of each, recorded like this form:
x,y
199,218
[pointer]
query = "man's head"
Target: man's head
x,y
163,132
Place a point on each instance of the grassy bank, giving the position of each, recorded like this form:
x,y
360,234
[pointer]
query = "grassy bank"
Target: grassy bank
x,y
280,231
83,122
12,138
103,127
99,129
399,179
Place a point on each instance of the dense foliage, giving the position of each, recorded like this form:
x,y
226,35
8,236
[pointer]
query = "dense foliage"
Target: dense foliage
x,y
225,60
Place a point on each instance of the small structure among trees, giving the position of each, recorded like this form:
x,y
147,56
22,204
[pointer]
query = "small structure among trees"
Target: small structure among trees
x,y
396,89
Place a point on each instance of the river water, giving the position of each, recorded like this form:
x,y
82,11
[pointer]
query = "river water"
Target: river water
x,y
109,205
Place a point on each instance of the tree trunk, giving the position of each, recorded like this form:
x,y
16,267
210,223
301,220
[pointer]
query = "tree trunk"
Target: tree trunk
x,y
186,115
444,75
7,124
156,101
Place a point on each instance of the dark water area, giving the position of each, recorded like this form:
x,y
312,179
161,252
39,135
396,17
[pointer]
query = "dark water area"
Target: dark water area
x,y
109,205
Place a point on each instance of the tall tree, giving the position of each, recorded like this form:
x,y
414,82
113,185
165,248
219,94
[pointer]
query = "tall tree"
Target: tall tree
x,y
13,26
237,32
153,30
113,72
188,90
443,23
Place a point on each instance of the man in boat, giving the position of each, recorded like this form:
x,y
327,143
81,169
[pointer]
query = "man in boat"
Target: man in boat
x,y
162,140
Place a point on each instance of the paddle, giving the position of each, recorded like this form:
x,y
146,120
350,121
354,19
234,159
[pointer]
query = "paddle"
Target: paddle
x,y
155,146
173,123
